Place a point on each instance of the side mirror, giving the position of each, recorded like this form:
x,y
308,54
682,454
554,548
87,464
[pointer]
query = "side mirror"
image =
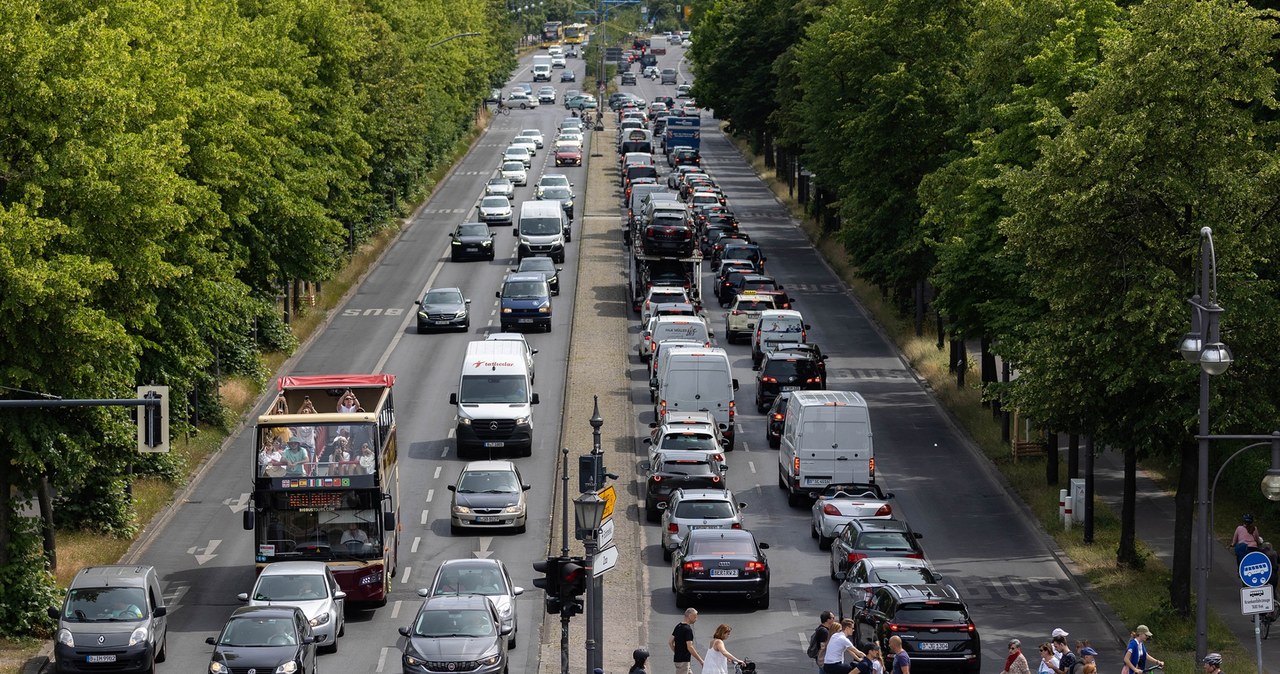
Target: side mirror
x,y
741,505
807,326
453,398
735,384
840,575
918,534
452,487
507,630
389,521
466,301
534,352
663,506
498,294
404,631
648,441
243,596
724,442
515,231
339,595
212,641
418,302
654,424
525,487
764,546
517,591
247,516
781,288
559,268
422,592
724,427
724,468
889,495
534,401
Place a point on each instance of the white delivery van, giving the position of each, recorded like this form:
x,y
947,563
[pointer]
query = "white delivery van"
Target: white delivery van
x,y
826,438
542,68
494,400
690,328
540,230
698,380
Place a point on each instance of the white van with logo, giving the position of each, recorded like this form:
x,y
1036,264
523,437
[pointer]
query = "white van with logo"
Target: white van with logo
x,y
541,230
494,400
698,380
826,438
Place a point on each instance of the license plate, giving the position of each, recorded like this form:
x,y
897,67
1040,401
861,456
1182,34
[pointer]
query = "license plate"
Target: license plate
x,y
790,388
486,519
811,482
494,444
472,249
526,320
934,646
439,322
724,573
100,658
706,526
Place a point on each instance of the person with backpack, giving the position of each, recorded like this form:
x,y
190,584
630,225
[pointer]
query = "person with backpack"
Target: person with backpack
x,y
1068,663
818,641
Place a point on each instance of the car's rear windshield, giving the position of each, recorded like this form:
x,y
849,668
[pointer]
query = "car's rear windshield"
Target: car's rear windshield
x,y
906,576
688,441
797,367
754,305
686,467
887,541
711,510
925,614
721,546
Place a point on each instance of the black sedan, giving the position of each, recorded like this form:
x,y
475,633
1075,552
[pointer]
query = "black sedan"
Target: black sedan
x,y
720,563
670,470
568,76
443,309
471,240
265,638
544,266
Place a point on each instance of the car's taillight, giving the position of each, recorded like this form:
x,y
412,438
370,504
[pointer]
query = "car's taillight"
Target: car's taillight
x,y
656,478
855,556
715,478
735,312
884,511
812,380
732,411
830,509
871,467
755,566
673,528
795,466
692,567
662,410
771,380
894,627
777,417
915,555
648,231
736,525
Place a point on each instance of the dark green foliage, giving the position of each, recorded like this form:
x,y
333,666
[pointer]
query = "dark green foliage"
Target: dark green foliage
x,y
28,588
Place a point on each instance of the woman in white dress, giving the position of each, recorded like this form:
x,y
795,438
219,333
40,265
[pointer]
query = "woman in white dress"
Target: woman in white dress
x,y
718,657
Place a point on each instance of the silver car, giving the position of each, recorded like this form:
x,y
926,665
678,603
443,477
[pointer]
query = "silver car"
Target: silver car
x,y
488,495
311,587
836,504
500,187
691,509
488,577
495,211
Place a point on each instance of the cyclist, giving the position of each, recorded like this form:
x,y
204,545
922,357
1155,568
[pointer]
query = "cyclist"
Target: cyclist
x,y
1212,663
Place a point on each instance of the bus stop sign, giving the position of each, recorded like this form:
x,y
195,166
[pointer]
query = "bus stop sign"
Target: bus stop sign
x,y
1255,569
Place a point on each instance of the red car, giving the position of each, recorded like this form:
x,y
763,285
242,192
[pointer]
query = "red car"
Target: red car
x,y
569,156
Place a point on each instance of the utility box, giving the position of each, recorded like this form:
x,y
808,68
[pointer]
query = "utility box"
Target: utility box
x,y
1077,498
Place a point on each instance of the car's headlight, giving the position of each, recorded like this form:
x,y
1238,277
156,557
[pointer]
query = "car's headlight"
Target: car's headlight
x,y
65,638
456,242
461,510
515,509
413,660
322,619
544,309
506,310
287,668
489,659
464,421
461,314
522,421
423,315
139,635
217,667
487,243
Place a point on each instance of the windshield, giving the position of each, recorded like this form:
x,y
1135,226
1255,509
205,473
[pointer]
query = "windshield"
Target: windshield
x,y
105,604
711,510
493,388
297,587
721,546
259,632
474,230
537,264
488,482
442,297
688,441
791,367
297,525
317,450
513,166
554,181
556,193
500,182
524,290
467,579
540,226
444,624
495,202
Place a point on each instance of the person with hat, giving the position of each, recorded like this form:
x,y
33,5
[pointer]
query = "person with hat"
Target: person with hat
x,y
1016,662
1136,656
871,662
1247,539
1088,655
1212,663
295,458
1066,661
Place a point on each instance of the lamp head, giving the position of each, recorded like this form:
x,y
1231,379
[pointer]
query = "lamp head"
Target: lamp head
x,y
1271,485
1191,346
1215,358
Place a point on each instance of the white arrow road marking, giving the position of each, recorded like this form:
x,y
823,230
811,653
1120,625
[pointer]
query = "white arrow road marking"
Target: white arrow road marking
x,y
237,504
484,551
208,553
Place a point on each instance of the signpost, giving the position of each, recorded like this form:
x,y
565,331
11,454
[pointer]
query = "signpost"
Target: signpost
x,y
1257,597
606,559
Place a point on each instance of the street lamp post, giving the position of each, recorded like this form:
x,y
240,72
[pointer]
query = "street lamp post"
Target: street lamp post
x,y
595,601
588,509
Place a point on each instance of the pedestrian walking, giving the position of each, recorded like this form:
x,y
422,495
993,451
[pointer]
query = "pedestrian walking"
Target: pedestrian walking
x,y
871,662
838,646
818,640
719,657
681,643
1016,662
641,657
1047,665
901,661
1212,663
1136,655
1087,656
1068,663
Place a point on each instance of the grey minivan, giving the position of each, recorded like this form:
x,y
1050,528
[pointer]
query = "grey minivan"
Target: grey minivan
x,y
113,620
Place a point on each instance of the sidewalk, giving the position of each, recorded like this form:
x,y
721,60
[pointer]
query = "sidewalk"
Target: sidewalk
x,y
1154,520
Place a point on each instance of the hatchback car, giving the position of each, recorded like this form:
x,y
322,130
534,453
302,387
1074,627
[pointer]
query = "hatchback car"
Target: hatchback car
x,y
486,577
785,372
311,587
860,539
461,633
518,153
552,180
694,509
686,432
488,495
495,211
500,187
720,563
547,95
777,418
544,266
515,172
581,102
266,639
472,240
862,579
443,309
568,154
932,621
673,469
838,503
568,76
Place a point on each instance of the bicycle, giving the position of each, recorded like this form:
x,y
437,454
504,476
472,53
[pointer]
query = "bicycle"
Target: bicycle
x,y
502,110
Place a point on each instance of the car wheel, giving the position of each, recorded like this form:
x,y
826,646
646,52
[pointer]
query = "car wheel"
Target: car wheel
x,y
813,531
794,499
330,648
526,452
453,528
832,564
666,554
505,328
824,543
453,258
774,443
732,443
342,626
466,324
761,407
520,530
763,602
164,649
782,483
511,641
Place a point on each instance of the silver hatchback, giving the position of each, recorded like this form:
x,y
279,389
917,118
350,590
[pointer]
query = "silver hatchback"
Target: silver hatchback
x,y
691,509
311,587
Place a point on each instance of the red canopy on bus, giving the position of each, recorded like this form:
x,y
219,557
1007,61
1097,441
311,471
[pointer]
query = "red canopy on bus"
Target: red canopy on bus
x,y
339,381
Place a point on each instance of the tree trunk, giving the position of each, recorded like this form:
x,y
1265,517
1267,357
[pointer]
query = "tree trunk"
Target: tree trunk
x,y
1073,456
942,328
962,362
1184,505
919,299
6,512
45,495
1127,552
988,364
1088,490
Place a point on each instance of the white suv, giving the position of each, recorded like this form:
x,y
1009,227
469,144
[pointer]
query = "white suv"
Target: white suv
x,y
691,509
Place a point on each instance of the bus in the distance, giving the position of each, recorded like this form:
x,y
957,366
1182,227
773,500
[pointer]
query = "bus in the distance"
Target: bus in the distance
x,y
575,33
552,33
325,483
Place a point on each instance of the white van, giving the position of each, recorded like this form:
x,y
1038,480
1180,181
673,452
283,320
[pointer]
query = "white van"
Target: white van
x,y
494,399
663,328
698,380
541,230
542,68
826,438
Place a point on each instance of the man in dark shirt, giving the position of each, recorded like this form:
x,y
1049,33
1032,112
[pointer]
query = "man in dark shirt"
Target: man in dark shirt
x,y
681,643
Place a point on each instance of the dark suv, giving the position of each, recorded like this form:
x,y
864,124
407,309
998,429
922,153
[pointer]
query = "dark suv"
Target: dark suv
x,y
669,236
676,469
786,372
933,622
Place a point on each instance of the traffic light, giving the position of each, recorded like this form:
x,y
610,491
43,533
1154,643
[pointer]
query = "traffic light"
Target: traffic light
x,y
549,582
573,583
153,421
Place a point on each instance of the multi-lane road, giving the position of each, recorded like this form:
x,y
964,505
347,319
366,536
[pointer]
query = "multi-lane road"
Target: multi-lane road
x,y
974,532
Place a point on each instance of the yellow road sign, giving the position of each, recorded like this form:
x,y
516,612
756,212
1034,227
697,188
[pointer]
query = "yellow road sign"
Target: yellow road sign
x,y
609,496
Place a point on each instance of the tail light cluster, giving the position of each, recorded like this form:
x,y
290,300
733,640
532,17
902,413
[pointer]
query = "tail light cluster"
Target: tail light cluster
x,y
915,555
778,416
812,380
758,567
884,511
830,509
769,380
692,567
854,557
673,528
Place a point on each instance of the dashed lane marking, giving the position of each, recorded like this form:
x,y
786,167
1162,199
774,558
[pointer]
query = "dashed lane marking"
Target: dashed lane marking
x,y
417,540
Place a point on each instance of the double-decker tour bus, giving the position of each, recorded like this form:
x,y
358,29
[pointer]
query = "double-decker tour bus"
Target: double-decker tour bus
x,y
575,33
325,484
552,33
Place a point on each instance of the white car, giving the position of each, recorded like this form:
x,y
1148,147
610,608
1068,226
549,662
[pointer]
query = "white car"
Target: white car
x,y
535,134
519,99
529,351
547,95
552,180
526,143
311,587
570,139
691,509
686,432
744,313
499,187
487,577
515,171
836,504
517,153
557,61
661,295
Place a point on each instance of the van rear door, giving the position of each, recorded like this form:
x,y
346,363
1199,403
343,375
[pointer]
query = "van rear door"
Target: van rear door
x,y
834,445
